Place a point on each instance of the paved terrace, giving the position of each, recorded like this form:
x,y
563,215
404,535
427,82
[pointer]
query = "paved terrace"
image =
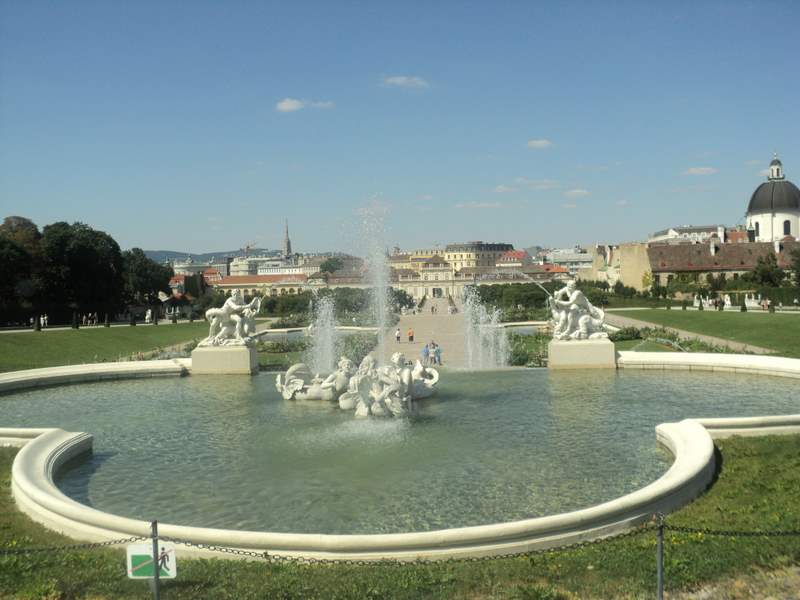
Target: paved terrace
x,y
444,329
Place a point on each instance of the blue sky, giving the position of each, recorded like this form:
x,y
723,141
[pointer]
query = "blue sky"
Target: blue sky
x,y
200,126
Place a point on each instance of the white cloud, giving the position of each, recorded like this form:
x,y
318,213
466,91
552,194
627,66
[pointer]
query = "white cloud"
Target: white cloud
x,y
576,193
405,81
478,205
537,184
764,172
569,205
293,104
504,189
700,171
539,143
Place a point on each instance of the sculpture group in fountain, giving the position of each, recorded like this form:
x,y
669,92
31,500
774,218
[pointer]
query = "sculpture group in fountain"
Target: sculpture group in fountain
x,y
574,317
379,392
234,323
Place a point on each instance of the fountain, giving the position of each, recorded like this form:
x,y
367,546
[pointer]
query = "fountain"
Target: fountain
x,y
322,354
373,234
485,340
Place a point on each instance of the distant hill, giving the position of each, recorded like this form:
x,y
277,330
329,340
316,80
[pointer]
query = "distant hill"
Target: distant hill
x,y
163,255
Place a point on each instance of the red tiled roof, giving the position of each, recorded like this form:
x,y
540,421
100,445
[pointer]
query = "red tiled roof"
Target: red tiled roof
x,y
258,279
728,257
545,268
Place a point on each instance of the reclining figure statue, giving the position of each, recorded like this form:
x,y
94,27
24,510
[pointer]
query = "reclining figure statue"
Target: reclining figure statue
x,y
574,317
379,392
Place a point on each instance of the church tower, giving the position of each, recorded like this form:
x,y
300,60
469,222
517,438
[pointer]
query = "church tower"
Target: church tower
x,y
287,243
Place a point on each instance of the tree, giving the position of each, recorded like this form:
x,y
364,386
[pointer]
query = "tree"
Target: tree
x,y
767,273
795,265
331,265
16,287
23,232
143,277
81,268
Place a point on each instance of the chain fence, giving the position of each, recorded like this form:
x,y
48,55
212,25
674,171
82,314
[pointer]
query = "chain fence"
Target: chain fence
x,y
658,525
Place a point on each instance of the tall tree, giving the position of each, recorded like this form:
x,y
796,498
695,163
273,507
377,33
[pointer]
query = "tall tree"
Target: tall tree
x,y
82,268
767,272
23,232
16,287
143,277
795,265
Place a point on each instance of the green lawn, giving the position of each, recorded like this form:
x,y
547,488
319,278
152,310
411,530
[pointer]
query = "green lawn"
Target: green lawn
x,y
757,488
30,350
777,331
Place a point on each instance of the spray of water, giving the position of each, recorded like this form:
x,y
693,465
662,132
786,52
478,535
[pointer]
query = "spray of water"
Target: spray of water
x,y
486,342
321,356
373,229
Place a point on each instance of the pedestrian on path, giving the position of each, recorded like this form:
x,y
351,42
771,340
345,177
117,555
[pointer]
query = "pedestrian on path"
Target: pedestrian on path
x,y
437,355
410,335
397,335
425,355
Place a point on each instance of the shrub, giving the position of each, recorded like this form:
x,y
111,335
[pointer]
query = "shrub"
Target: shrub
x,y
626,333
684,304
743,307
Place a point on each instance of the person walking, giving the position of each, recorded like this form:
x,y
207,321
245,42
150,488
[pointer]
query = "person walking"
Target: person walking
x,y
410,335
437,355
425,355
397,335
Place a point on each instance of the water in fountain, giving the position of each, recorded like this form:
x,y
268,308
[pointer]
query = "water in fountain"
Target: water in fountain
x,y
486,342
321,356
374,237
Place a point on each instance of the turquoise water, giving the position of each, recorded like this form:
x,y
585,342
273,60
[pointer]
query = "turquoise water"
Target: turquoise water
x,y
490,447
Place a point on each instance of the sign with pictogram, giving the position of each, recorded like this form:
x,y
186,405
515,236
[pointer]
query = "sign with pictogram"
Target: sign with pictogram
x,y
141,565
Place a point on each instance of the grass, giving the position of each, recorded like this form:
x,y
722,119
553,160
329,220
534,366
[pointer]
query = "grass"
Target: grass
x,y
31,350
776,331
757,488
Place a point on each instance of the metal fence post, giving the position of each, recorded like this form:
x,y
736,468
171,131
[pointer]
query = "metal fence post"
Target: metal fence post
x,y
660,556
156,566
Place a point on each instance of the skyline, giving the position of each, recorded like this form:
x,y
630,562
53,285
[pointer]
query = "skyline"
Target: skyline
x,y
545,125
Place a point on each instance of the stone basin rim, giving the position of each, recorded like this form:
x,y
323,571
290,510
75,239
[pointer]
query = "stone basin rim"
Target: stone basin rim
x,y
690,441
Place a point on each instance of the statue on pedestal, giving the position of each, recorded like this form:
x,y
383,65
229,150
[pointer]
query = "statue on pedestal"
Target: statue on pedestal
x,y
234,323
574,317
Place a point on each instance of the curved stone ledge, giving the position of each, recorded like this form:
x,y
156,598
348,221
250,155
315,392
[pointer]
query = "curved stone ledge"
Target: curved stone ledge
x,y
38,462
690,442
31,378
750,364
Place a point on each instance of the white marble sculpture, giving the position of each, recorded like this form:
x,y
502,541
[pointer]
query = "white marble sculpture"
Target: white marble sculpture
x,y
369,391
574,317
234,324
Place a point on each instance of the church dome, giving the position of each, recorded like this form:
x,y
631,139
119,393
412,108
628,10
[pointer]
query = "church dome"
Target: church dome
x,y
777,194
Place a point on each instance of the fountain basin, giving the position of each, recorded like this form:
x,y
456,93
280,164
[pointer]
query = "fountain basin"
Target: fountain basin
x,y
45,458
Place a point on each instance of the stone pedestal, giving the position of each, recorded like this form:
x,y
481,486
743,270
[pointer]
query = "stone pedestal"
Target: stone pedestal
x,y
581,354
218,360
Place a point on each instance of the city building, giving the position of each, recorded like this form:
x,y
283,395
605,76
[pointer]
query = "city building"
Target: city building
x,y
475,254
574,259
686,234
696,262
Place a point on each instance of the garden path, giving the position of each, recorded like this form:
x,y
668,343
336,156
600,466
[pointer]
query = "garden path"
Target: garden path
x,y
445,329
